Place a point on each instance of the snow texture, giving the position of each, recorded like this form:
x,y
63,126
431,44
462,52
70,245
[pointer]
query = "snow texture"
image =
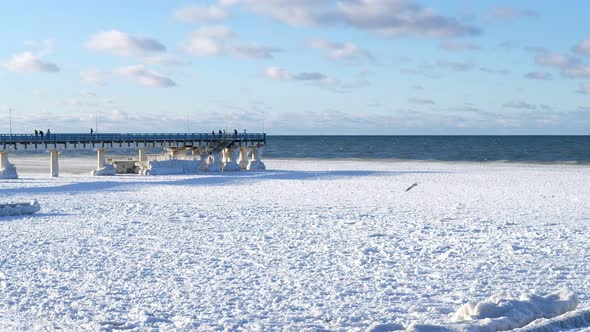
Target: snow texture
x,y
306,245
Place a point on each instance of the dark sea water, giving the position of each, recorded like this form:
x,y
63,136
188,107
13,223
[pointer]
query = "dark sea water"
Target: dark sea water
x,y
533,149
522,149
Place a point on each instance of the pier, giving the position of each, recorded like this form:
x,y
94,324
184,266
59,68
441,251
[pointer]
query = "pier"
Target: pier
x,y
216,152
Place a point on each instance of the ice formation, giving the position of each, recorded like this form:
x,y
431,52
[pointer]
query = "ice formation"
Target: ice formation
x,y
255,163
105,170
13,209
172,166
8,172
229,160
503,311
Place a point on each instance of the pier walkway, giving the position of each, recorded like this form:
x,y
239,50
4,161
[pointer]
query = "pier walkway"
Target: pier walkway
x,y
93,141
216,151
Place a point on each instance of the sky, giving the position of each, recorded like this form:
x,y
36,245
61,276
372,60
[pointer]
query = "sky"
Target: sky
x,y
290,67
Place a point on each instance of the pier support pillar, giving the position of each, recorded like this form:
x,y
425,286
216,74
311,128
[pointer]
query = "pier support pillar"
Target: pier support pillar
x,y
142,155
54,163
102,167
173,153
243,158
7,170
100,158
229,160
255,162
3,159
212,163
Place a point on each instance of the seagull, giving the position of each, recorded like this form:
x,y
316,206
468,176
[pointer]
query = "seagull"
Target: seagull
x,y
412,186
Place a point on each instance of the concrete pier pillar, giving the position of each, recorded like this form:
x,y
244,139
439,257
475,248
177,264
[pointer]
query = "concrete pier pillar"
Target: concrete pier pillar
x,y
212,163
7,170
3,159
243,158
101,158
255,163
102,167
229,163
142,155
54,163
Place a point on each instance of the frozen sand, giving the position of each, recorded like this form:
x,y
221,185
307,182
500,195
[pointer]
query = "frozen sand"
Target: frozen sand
x,y
336,245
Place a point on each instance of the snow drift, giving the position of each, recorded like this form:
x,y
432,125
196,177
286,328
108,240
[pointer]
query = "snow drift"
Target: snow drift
x,y
504,311
8,172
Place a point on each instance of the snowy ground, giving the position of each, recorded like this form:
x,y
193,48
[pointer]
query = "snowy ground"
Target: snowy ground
x,y
335,245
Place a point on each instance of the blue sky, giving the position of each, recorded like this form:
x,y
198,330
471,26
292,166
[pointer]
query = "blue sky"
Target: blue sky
x,y
297,66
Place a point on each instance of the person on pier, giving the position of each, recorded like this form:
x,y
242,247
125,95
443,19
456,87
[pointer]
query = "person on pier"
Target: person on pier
x,y
48,133
91,131
41,133
36,133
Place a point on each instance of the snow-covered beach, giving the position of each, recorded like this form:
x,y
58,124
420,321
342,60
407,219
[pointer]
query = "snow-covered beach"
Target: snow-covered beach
x,y
307,244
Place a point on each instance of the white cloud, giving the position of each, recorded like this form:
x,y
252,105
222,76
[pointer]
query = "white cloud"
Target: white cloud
x,y
94,76
583,47
454,46
538,75
164,59
27,62
509,13
319,79
140,75
217,40
42,47
339,50
386,17
421,101
519,104
208,41
293,12
200,13
401,18
277,73
456,66
119,43
569,66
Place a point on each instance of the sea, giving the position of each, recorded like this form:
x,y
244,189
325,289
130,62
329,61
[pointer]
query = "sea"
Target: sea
x,y
518,149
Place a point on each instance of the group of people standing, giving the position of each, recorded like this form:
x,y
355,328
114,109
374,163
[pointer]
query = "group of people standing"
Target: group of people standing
x,y
40,133
221,133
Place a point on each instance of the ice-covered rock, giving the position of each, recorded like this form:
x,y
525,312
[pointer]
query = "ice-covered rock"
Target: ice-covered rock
x,y
13,209
8,172
172,166
106,170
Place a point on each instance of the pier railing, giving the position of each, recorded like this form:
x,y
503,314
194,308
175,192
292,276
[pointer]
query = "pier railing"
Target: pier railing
x,y
114,137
